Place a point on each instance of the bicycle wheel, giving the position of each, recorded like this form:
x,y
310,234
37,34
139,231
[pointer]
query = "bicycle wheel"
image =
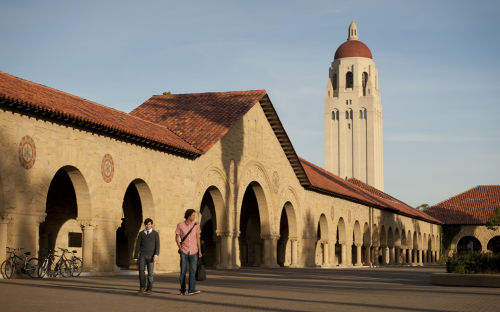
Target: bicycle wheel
x,y
10,268
32,267
42,269
77,267
66,268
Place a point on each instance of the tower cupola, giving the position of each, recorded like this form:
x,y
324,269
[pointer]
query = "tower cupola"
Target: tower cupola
x,y
353,32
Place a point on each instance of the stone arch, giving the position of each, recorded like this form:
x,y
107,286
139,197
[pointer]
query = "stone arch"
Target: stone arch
x,y
342,232
323,228
409,240
383,236
375,236
366,234
214,182
397,238
357,233
81,191
255,176
403,238
464,240
390,237
415,240
493,244
289,201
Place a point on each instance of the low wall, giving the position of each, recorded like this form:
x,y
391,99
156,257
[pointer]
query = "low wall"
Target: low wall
x,y
475,280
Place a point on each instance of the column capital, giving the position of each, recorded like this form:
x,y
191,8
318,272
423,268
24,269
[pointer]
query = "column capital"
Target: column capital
x,y
270,237
224,234
5,218
293,239
87,225
358,244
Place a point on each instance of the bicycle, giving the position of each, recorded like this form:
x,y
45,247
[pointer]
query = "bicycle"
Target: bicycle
x,y
63,266
77,263
29,267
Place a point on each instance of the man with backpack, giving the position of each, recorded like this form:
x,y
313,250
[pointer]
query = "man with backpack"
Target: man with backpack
x,y
187,237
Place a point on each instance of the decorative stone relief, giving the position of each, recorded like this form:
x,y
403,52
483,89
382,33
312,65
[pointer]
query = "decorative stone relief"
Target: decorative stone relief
x,y
349,216
333,213
107,168
232,171
276,182
87,224
212,177
27,152
5,218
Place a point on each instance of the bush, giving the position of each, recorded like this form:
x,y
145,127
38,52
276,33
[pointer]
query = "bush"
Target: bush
x,y
472,262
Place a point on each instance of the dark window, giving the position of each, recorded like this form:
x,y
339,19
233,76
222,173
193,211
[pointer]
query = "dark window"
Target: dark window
x,y
365,81
346,115
351,114
75,240
350,101
337,115
360,114
335,81
346,102
333,115
348,80
365,113
349,126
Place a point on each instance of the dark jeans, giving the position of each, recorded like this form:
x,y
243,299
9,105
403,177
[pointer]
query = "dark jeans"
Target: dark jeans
x,y
193,262
143,261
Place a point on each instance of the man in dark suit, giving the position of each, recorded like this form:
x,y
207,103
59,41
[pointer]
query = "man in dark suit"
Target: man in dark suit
x,y
148,245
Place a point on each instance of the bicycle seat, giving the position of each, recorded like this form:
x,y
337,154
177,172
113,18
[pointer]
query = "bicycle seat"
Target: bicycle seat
x,y
74,251
27,253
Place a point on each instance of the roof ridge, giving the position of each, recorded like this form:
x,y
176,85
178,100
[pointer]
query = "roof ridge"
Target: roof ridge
x,y
455,196
201,93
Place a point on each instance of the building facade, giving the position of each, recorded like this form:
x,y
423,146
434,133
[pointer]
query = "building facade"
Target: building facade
x,y
353,114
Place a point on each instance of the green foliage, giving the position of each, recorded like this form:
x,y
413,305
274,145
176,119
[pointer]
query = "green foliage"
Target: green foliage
x,y
167,93
473,262
422,207
494,220
447,232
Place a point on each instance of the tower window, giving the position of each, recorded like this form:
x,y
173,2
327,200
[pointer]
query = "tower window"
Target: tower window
x,y
351,114
333,115
360,114
328,93
348,80
346,102
365,81
350,102
337,115
349,126
335,81
346,114
365,113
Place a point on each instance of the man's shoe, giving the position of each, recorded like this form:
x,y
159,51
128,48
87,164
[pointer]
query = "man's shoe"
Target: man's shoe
x,y
194,293
148,293
141,291
182,293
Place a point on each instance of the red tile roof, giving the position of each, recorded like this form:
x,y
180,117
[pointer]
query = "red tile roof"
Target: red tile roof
x,y
473,206
353,48
40,97
326,181
201,119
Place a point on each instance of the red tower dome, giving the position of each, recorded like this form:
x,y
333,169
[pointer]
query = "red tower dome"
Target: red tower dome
x,y
353,48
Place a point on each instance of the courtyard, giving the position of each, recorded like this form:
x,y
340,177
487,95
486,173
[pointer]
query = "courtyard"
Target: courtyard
x,y
284,289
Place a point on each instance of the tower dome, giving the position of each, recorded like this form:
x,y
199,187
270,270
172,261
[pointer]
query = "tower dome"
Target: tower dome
x,y
353,47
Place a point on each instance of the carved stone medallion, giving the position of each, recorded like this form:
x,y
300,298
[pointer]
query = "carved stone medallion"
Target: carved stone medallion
x,y
27,152
232,171
107,168
333,213
349,216
276,182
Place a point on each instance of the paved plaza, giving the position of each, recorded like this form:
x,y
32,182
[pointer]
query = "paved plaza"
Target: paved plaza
x,y
360,289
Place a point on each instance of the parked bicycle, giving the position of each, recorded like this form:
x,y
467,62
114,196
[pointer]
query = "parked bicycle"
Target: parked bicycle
x,y
29,267
77,263
63,266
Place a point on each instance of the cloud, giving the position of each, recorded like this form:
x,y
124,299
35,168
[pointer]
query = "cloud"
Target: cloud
x,y
430,138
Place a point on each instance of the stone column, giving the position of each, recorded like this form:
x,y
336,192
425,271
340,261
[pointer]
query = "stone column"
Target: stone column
x,y
266,252
132,241
236,263
414,260
326,258
217,250
294,253
224,242
273,250
391,255
420,259
358,254
245,254
375,255
384,254
257,255
88,245
398,255
4,221
368,260
343,253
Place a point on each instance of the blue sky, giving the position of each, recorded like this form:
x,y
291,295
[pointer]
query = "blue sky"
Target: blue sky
x,y
438,67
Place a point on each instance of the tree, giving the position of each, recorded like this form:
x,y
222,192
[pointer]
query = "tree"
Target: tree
x,y
422,207
167,93
494,220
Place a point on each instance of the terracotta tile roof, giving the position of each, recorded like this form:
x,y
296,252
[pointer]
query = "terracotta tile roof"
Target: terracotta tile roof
x,y
473,206
359,191
49,100
201,119
353,48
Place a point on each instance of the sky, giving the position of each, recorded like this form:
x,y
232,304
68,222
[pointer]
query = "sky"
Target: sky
x,y
438,63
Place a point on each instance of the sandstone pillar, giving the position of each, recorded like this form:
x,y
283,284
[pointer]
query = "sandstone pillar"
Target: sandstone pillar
x,y
257,255
4,221
326,259
88,245
368,260
420,258
224,244
217,250
274,249
415,257
384,255
391,255
266,252
358,254
375,255
294,253
343,254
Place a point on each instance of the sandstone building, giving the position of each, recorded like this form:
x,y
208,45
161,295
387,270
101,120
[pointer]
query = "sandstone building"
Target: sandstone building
x,y
468,213
353,114
77,174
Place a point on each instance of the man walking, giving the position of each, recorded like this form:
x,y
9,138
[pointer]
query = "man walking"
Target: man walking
x,y
187,237
148,245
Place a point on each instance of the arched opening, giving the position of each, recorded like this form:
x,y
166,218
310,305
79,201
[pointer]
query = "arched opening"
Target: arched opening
x,y
403,247
335,82
348,80
364,81
286,253
409,247
415,247
254,225
494,244
137,206
340,243
322,251
67,200
357,240
366,244
383,246
464,241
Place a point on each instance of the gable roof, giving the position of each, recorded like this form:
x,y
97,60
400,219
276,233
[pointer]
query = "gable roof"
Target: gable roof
x,y
39,99
202,119
473,206
357,191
